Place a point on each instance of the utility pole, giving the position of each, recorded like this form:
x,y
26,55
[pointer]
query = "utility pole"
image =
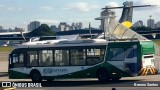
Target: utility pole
x,y
90,29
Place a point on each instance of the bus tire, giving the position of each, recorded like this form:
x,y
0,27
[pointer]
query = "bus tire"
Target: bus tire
x,y
36,76
102,75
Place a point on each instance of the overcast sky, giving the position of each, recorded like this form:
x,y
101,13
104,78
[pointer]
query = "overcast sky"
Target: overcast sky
x,y
20,12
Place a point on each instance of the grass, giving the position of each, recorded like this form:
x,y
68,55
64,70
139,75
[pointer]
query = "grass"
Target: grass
x,y
157,42
5,49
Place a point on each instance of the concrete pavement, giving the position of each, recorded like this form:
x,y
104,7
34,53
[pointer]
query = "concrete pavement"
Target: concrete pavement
x,y
4,66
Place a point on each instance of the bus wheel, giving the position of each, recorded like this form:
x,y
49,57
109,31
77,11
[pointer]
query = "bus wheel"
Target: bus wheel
x,y
102,75
36,76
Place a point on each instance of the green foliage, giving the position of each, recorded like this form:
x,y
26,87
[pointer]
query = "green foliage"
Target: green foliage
x,y
43,30
157,42
5,49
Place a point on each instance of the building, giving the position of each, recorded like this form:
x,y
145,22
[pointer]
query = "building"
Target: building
x,y
138,24
158,24
1,27
67,28
33,25
72,27
16,29
78,25
150,23
62,26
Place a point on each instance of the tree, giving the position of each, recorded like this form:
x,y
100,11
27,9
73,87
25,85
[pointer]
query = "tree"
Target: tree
x,y
42,30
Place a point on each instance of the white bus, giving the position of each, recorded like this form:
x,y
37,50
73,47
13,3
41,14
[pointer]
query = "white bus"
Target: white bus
x,y
95,58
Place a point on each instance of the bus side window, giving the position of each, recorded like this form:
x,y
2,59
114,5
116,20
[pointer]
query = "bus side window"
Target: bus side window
x,y
78,57
46,58
33,58
15,58
94,56
61,57
21,58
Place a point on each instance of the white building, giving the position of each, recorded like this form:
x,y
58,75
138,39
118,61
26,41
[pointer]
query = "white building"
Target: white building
x,y
158,24
33,25
79,25
62,26
150,23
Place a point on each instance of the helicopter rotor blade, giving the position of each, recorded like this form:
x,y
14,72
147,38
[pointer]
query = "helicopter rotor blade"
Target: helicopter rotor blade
x,y
144,6
129,7
113,7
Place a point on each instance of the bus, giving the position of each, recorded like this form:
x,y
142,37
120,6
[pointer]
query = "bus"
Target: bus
x,y
90,58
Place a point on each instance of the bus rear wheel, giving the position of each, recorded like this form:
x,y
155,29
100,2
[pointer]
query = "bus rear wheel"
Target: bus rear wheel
x,y
102,75
36,76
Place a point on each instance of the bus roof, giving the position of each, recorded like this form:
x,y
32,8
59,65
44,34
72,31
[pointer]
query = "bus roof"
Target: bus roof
x,y
65,43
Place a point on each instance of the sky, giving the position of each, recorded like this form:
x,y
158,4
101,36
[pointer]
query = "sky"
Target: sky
x,y
19,13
